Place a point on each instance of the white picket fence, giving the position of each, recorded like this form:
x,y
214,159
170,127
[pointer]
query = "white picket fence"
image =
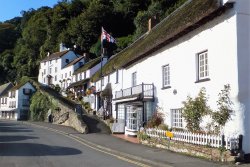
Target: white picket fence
x,y
195,138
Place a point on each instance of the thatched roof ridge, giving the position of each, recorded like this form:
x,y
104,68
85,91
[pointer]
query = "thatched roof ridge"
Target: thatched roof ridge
x,y
188,17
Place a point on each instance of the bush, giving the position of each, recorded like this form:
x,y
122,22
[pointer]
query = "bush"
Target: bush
x,y
156,120
163,127
194,110
40,104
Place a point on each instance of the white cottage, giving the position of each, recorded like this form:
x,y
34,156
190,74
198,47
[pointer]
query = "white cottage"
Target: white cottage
x,y
5,111
205,43
58,68
18,102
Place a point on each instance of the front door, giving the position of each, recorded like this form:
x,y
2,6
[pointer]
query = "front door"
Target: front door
x,y
134,117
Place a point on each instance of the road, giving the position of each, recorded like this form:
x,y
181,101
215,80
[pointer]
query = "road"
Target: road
x,y
23,145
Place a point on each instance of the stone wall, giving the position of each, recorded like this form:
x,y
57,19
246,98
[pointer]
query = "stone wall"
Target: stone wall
x,y
214,154
64,115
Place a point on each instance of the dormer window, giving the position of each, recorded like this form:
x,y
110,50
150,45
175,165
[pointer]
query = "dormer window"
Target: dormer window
x,y
67,60
80,64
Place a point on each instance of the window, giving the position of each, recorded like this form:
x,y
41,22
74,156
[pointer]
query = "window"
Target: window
x,y
55,78
117,77
44,71
76,78
102,81
44,63
67,60
43,80
134,117
42,74
121,111
108,78
166,76
50,70
85,74
56,60
50,61
80,76
203,72
65,75
134,79
177,118
70,73
55,69
27,91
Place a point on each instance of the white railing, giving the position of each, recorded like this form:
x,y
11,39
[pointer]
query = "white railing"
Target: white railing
x,y
195,138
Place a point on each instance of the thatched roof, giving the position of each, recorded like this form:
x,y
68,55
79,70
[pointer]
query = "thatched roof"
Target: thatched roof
x,y
188,17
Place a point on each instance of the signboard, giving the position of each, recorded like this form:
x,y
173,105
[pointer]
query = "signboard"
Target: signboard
x,y
169,134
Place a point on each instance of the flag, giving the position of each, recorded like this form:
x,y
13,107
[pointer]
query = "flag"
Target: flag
x,y
106,36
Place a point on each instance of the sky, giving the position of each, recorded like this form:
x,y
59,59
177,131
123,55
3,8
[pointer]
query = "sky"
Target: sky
x,y
12,8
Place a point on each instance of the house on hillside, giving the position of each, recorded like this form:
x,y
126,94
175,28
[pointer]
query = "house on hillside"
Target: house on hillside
x,y
18,102
5,111
81,78
58,68
205,43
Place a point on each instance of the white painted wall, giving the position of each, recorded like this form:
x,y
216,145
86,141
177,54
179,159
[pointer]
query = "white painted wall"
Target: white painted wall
x,y
219,38
243,58
20,96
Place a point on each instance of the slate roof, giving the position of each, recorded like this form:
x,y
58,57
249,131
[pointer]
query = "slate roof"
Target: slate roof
x,y
74,62
88,65
55,55
5,88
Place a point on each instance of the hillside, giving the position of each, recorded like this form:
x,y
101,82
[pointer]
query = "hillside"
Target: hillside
x,y
25,40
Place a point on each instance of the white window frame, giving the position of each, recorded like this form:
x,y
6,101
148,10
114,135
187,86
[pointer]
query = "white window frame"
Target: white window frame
x,y
134,79
176,118
165,76
117,77
203,66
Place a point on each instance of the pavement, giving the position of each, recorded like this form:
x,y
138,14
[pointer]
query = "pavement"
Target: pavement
x,y
149,155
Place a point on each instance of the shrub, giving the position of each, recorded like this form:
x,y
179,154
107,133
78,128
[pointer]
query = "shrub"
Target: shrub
x,y
224,104
156,120
39,106
163,126
195,109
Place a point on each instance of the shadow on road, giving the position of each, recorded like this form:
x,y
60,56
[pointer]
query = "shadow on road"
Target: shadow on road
x,y
14,129
32,149
15,138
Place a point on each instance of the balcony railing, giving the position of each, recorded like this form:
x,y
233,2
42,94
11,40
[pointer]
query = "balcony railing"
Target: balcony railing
x,y
146,90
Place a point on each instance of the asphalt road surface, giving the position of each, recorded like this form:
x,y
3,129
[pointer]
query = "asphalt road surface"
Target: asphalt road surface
x,y
23,145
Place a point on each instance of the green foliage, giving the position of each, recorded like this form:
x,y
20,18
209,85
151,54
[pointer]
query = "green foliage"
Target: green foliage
x,y
156,119
26,40
163,126
194,110
224,104
40,104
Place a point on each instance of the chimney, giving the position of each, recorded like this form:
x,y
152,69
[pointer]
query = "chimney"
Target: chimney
x,y
86,57
152,22
62,47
